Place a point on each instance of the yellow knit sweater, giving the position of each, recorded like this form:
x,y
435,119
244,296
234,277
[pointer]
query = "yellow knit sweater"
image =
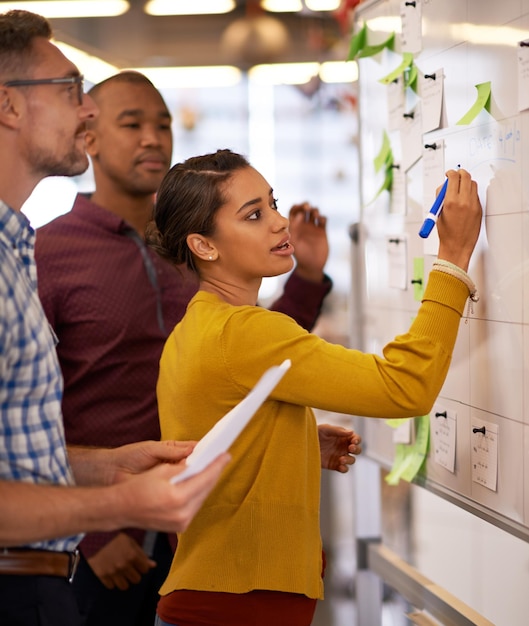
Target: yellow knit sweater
x,y
259,528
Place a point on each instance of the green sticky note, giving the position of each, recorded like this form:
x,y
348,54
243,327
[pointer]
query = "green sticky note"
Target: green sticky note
x,y
410,77
419,449
410,458
482,102
358,42
407,60
370,51
386,185
399,464
394,423
385,154
359,47
418,278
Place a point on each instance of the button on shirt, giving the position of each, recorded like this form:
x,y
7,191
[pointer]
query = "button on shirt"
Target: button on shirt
x,y
32,443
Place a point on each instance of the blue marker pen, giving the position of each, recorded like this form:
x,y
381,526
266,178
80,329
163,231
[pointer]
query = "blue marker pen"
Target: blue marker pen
x,y
434,212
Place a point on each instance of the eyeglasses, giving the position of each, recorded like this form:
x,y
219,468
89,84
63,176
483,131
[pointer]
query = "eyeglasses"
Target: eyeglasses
x,y
69,80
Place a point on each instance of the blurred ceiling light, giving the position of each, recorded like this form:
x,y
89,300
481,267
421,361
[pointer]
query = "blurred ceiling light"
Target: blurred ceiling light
x,y
385,24
322,5
282,6
482,34
70,8
302,73
93,68
339,72
188,77
284,73
473,33
188,7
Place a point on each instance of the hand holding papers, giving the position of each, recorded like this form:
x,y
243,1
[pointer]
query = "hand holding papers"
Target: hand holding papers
x,y
227,429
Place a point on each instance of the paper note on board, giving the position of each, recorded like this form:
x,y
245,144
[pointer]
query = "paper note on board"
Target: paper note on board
x,y
431,90
228,428
411,26
523,75
433,169
411,137
484,453
443,426
397,261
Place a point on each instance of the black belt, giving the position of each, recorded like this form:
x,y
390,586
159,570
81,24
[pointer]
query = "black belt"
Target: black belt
x,y
27,562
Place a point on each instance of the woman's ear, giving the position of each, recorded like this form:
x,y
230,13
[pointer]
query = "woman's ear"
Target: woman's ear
x,y
201,247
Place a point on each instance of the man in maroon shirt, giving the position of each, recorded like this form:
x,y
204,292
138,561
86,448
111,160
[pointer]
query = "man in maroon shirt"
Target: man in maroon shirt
x,y
112,302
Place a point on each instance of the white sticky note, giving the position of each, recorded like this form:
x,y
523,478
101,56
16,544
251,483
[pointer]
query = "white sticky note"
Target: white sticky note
x,y
523,75
433,171
411,137
397,261
402,433
411,26
398,192
431,90
443,427
396,103
484,453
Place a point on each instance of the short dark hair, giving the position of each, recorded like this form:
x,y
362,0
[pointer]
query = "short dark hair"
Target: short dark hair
x,y
18,29
190,195
125,76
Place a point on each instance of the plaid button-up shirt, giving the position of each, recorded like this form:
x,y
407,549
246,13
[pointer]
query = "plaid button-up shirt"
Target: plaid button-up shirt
x,y
32,444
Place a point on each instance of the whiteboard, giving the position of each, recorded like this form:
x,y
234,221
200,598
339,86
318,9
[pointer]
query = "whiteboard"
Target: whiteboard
x,y
466,43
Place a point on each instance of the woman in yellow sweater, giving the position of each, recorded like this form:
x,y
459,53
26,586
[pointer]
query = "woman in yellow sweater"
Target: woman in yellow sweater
x,y
253,553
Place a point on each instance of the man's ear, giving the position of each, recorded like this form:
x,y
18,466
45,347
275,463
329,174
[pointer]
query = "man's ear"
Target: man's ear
x,y
10,107
91,143
201,247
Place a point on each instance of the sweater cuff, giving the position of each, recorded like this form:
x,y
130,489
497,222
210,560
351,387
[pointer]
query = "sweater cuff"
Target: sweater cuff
x,y
448,290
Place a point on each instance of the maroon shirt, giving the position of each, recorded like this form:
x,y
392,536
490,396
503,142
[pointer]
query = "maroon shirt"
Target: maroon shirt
x,y
112,303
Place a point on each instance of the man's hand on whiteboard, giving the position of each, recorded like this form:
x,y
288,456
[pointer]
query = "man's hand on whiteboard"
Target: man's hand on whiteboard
x,y
337,447
459,223
309,238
